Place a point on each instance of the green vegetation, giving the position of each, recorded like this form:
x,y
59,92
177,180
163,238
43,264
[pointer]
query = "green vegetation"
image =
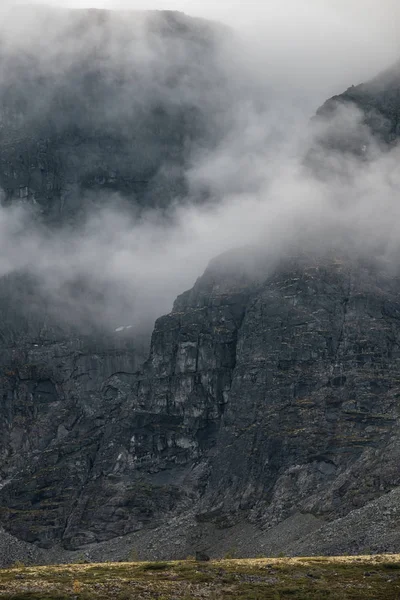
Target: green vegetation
x,y
317,578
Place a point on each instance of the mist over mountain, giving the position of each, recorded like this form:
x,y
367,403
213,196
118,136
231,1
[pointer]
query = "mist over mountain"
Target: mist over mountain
x,y
261,412
144,144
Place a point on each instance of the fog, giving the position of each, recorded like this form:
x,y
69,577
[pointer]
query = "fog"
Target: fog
x,y
323,44
260,189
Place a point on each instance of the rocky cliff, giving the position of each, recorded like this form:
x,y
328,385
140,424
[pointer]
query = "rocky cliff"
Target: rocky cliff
x,y
267,398
263,415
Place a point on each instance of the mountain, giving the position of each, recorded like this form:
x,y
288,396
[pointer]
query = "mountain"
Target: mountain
x,y
378,102
267,409
99,110
106,102
262,416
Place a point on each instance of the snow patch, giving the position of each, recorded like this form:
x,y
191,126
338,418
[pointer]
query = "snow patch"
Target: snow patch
x,y
123,328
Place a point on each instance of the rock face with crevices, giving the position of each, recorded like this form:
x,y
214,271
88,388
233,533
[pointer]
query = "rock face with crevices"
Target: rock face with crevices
x,y
263,416
264,395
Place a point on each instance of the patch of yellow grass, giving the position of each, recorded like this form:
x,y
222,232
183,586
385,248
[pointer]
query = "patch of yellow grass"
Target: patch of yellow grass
x,y
303,578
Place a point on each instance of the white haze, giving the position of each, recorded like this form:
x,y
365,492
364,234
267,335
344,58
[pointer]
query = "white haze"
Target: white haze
x,y
264,193
320,45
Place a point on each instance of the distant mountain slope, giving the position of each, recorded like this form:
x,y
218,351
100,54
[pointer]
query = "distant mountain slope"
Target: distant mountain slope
x,y
378,100
94,101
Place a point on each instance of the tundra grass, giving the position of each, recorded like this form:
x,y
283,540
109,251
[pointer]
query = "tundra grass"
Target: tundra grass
x,y
316,578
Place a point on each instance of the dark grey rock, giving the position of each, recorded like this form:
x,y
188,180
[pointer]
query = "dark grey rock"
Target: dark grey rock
x,y
264,417
259,400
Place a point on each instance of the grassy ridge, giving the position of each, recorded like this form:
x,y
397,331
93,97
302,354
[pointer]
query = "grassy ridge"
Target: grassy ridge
x,y
339,578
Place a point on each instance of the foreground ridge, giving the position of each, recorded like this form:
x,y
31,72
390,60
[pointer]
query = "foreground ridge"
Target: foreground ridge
x,y
374,577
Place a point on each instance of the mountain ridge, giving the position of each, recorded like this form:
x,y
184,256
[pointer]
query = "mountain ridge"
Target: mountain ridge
x,y
262,414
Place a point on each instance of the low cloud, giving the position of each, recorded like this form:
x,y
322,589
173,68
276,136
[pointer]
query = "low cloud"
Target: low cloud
x,y
121,267
261,196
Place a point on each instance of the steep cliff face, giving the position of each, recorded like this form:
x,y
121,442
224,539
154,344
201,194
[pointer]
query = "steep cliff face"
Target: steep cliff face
x,y
144,432
106,109
313,399
266,396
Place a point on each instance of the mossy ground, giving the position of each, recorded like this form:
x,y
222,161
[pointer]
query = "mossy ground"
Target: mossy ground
x,y
340,578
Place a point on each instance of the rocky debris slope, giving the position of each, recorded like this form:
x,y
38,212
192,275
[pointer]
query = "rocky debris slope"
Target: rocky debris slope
x,y
370,529
13,551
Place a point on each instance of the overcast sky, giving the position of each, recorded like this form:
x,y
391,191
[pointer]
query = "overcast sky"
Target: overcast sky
x,y
371,14
326,44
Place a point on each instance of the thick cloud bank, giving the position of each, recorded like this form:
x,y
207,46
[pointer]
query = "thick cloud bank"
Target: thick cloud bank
x,y
260,187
